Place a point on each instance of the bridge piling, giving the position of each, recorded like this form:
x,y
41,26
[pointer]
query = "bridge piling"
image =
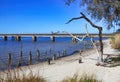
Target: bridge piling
x,y
34,38
52,38
18,38
5,38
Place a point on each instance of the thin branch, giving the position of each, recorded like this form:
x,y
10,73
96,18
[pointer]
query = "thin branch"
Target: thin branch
x,y
74,19
72,35
87,19
86,35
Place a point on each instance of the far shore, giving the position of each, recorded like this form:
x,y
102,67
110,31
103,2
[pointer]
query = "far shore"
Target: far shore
x,y
68,66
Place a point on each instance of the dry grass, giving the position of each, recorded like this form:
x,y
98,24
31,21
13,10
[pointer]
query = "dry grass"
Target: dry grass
x,y
115,41
30,79
17,76
83,78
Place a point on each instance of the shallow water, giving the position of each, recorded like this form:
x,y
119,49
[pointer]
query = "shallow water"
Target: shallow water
x,y
44,45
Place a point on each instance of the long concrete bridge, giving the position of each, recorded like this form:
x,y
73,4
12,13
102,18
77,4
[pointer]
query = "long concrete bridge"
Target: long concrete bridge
x,y
52,36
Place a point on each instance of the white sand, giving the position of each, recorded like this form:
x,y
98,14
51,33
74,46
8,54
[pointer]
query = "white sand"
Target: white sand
x,y
68,66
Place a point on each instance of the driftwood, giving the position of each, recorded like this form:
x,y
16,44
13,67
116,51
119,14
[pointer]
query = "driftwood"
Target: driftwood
x,y
95,26
86,35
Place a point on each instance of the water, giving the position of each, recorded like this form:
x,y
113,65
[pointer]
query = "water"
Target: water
x,y
43,44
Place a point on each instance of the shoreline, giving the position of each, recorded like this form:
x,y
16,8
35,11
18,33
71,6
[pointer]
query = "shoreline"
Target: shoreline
x,y
42,59
68,66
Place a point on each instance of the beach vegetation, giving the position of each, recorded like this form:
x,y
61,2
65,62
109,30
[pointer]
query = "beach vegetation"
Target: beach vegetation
x,y
83,78
115,41
25,79
19,75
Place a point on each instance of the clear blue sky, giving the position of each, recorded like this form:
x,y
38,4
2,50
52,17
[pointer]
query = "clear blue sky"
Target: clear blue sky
x,y
41,16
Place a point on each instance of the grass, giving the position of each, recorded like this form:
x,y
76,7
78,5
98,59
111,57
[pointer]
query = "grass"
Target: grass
x,y
16,76
115,41
24,79
83,78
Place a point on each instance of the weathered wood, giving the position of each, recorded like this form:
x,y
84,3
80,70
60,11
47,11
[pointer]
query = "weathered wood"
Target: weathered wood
x,y
38,54
50,50
74,40
48,61
95,26
64,52
30,58
45,53
20,60
9,60
112,54
80,60
54,57
58,54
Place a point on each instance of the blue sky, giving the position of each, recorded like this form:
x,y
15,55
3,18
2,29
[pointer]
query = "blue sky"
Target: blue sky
x,y
41,16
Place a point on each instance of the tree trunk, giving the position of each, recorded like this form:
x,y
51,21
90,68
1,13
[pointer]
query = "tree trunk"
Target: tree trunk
x,y
101,45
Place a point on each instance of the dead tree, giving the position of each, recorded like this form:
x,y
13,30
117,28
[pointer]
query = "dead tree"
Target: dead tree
x,y
95,26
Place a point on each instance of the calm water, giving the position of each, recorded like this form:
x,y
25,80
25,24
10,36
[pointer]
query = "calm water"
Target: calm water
x,y
42,44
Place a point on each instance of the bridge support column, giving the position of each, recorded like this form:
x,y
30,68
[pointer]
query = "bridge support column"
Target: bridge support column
x,y
18,38
5,38
34,38
74,40
52,38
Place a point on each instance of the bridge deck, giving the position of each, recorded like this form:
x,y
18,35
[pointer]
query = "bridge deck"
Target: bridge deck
x,y
55,35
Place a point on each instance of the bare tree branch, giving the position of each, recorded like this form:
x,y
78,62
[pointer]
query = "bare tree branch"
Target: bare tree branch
x,y
88,20
86,35
74,19
95,26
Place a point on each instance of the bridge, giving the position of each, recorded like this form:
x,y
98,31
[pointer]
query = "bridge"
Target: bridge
x,y
51,35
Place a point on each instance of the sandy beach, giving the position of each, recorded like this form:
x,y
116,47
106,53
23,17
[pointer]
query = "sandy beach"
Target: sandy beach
x,y
68,66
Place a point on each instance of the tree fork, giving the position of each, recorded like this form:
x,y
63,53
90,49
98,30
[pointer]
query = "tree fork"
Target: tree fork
x,y
95,26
